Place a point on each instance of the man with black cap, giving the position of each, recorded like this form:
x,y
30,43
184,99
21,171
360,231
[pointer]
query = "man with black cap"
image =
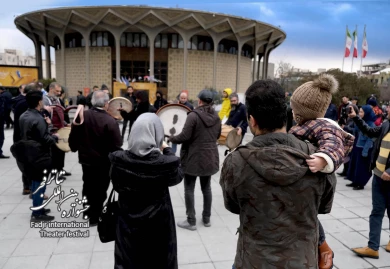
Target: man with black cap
x,y
199,156
33,150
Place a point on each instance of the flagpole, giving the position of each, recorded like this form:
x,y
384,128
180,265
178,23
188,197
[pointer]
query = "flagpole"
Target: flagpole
x,y
345,42
361,56
353,48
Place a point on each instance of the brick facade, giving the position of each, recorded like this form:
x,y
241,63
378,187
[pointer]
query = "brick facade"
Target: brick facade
x,y
100,68
200,72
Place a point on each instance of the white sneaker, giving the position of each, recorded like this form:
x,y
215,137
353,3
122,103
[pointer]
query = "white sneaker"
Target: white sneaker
x,y
185,225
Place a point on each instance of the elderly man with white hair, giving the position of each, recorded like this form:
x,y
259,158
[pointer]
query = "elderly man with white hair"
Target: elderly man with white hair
x,y
94,139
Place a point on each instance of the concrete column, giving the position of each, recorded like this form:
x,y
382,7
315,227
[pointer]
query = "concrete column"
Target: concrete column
x,y
87,61
151,56
118,56
267,60
238,67
260,55
265,63
62,40
38,57
185,50
215,65
48,61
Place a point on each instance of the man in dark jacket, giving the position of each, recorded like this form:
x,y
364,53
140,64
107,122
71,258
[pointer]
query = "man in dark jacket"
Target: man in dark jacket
x,y
160,101
94,139
199,156
131,97
331,112
19,107
37,141
183,100
81,100
142,106
7,107
88,99
380,164
268,183
237,117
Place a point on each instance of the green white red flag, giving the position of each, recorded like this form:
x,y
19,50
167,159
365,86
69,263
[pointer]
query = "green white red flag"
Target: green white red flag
x,y
365,45
348,44
355,45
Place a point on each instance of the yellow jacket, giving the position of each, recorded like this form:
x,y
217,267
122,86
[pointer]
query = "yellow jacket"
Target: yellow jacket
x,y
225,109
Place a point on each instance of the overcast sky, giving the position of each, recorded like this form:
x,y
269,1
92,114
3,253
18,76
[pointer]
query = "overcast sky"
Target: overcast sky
x,y
315,29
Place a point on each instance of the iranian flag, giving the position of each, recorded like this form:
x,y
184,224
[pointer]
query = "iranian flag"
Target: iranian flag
x,y
355,46
348,44
365,45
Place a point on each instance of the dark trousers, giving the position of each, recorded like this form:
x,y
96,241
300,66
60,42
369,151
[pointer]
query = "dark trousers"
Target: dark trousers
x,y
189,188
125,123
380,203
96,182
37,198
58,157
321,238
8,120
1,134
26,180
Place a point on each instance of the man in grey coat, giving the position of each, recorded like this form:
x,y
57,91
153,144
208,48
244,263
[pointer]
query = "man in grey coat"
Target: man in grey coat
x,y
199,156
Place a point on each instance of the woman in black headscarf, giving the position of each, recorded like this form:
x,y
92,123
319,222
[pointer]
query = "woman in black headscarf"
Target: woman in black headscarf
x,y
145,231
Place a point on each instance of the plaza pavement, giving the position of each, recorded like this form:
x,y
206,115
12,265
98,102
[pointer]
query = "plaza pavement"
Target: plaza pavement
x,y
207,248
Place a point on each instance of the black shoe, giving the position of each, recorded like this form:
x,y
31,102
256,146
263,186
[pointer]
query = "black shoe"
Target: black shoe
x,y
62,178
46,210
66,173
342,174
42,217
26,192
93,224
358,188
2,156
351,185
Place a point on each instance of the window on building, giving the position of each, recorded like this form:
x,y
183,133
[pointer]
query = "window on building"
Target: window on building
x,y
181,43
105,39
93,39
194,42
164,42
201,46
174,41
123,40
136,41
157,41
99,39
144,42
83,42
129,40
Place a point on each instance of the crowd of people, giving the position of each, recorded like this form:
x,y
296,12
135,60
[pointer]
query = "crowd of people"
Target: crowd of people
x,y
277,183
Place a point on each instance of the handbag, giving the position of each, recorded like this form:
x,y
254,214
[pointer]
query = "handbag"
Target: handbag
x,y
107,220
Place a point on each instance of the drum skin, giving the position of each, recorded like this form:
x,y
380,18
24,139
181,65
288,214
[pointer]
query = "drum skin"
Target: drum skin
x,y
63,139
173,118
116,103
229,137
225,130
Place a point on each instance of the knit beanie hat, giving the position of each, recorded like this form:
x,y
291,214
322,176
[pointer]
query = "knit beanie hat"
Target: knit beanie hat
x,y
311,100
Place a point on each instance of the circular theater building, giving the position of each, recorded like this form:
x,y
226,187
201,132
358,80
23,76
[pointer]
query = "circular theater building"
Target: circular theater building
x,y
190,50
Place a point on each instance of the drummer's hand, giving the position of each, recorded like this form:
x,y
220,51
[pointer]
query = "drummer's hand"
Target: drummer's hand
x,y
48,109
239,130
47,119
56,134
164,145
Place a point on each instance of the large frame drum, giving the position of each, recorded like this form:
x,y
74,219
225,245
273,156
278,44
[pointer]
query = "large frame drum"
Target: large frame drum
x,y
173,118
119,102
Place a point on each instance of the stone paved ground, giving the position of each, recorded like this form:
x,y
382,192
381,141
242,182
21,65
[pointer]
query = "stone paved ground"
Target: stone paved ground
x,y
21,246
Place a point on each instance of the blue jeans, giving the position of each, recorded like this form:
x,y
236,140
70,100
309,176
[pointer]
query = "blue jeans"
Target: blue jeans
x,y
174,148
37,199
380,202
